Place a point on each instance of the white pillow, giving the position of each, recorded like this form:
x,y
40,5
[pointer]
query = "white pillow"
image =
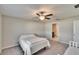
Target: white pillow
x,y
26,36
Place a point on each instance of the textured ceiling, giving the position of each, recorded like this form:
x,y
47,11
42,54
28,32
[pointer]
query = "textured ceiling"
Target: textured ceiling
x,y
26,11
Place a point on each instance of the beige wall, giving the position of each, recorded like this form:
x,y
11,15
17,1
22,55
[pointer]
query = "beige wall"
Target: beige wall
x,y
13,27
0,32
48,30
65,30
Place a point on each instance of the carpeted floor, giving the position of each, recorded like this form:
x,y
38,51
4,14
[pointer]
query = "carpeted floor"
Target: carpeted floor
x,y
56,48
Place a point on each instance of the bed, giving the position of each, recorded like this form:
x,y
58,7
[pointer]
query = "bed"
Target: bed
x,y
31,44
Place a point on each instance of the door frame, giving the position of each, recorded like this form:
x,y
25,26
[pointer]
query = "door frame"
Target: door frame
x,y
57,34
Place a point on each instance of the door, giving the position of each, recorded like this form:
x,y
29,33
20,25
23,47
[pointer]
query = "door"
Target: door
x,y
65,31
54,30
0,32
76,30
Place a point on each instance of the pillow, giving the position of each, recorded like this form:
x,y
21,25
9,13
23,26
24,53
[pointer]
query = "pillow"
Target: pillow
x,y
23,36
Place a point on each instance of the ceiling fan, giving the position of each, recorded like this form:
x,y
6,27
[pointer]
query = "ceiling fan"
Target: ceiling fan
x,y
42,15
76,6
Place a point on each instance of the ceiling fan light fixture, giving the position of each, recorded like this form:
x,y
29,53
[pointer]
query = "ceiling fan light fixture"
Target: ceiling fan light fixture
x,y
42,17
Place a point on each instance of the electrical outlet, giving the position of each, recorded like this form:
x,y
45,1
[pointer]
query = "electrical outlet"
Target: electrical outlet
x,y
73,44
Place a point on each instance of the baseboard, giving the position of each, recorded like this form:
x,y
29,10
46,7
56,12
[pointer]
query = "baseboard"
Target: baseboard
x,y
10,46
63,42
60,41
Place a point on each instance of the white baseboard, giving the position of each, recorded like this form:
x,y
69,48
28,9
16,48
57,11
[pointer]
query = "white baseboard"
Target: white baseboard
x,y
9,46
59,41
63,42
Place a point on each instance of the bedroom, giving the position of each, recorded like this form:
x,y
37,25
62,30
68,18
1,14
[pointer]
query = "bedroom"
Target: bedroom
x,y
16,20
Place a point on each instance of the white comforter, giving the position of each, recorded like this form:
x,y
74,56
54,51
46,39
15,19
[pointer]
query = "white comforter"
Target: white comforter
x,y
33,44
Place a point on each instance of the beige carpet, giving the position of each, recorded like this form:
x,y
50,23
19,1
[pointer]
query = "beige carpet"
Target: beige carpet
x,y
56,48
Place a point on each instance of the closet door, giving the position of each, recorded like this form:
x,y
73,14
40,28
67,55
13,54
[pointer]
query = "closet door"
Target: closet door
x,y
65,31
76,30
0,32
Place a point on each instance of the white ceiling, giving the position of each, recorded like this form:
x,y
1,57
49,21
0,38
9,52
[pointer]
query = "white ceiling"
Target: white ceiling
x,y
26,10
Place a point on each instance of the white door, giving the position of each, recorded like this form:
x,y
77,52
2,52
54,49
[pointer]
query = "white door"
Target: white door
x,y
65,31
0,32
76,30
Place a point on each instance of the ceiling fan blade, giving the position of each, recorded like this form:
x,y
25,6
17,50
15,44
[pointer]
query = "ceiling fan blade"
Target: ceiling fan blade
x,y
76,6
49,15
47,18
37,14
